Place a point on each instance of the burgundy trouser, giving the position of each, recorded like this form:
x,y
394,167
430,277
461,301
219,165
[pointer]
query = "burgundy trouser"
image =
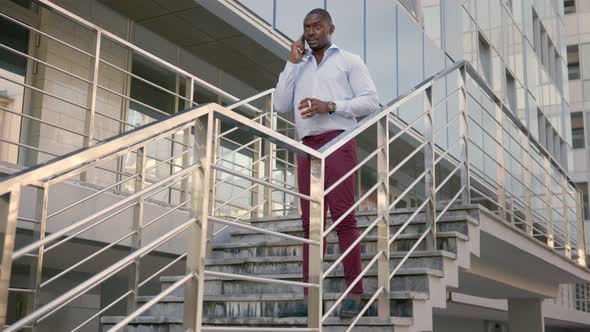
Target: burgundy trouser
x,y
338,201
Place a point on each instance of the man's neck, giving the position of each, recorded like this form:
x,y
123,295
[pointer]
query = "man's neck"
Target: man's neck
x,y
319,53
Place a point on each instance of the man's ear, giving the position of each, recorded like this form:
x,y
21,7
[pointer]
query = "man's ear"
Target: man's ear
x,y
332,28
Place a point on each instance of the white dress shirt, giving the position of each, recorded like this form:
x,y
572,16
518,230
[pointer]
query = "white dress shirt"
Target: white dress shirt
x,y
341,77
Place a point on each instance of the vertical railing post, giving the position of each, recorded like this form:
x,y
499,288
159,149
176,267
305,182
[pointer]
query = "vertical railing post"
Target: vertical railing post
x,y
37,265
549,200
9,203
565,213
214,155
580,219
464,137
429,169
216,142
198,232
257,195
269,163
383,214
316,251
90,114
125,102
500,170
172,164
528,183
138,219
186,140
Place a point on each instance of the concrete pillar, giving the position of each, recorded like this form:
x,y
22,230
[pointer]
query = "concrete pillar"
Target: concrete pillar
x,y
525,315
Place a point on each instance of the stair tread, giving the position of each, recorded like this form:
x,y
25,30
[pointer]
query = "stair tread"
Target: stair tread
x,y
152,320
400,272
401,211
328,258
396,295
361,223
280,242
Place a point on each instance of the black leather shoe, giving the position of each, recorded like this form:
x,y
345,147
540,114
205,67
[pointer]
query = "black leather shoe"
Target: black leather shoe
x,y
350,308
299,310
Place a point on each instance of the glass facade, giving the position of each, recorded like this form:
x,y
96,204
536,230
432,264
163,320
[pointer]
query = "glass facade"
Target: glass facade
x,y
578,55
519,47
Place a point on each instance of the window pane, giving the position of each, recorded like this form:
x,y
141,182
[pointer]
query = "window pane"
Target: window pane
x,y
160,102
431,18
578,140
16,37
569,6
381,48
410,55
585,199
485,59
573,62
349,21
290,15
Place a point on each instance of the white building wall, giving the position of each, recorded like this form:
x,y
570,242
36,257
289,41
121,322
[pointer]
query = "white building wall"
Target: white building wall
x,y
457,324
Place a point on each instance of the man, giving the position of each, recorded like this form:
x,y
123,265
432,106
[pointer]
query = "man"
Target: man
x,y
327,88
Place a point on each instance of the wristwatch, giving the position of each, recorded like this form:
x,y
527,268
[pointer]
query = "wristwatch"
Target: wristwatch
x,y
332,107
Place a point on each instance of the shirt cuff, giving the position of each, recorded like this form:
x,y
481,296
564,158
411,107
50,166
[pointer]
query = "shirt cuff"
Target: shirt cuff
x,y
342,108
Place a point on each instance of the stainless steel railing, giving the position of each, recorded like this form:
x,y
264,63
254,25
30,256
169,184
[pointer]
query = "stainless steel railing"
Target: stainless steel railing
x,y
203,163
198,171
112,59
67,167
146,166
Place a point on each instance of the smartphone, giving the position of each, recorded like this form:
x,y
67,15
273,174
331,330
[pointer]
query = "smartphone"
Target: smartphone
x,y
303,42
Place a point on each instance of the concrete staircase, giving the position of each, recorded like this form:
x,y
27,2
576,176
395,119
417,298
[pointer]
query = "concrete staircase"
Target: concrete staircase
x,y
420,285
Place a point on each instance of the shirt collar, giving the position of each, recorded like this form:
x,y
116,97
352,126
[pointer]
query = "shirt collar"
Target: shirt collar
x,y
332,48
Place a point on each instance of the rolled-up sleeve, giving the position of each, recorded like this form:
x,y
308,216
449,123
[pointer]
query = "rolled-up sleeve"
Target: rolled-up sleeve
x,y
283,95
365,100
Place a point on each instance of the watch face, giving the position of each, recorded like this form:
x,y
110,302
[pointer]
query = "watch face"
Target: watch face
x,y
332,106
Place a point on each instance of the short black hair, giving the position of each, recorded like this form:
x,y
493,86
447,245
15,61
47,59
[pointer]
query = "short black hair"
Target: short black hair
x,y
323,13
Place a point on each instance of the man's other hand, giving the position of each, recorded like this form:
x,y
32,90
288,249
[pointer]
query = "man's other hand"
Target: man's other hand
x,y
312,106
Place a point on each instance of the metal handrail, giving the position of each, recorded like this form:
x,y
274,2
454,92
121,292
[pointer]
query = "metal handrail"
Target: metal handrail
x,y
120,204
152,302
74,293
372,119
129,140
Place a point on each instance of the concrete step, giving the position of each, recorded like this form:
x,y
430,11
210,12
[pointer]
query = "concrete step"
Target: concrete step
x,y
448,224
278,247
269,305
397,217
293,264
406,279
418,286
332,324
